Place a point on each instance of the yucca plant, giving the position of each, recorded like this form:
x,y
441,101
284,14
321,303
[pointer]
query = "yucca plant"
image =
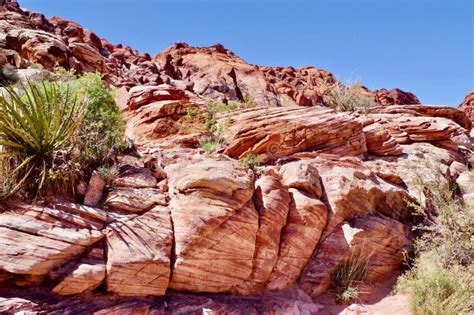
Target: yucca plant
x,y
348,275
35,124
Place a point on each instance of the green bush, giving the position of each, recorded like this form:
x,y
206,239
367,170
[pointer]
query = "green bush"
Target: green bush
x,y
101,135
341,98
251,161
37,127
441,280
58,131
192,113
435,289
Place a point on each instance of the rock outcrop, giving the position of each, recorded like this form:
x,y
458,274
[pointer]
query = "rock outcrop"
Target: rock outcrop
x,y
276,132
138,254
37,239
213,216
468,105
330,188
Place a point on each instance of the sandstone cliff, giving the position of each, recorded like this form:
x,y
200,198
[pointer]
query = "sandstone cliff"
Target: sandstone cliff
x,y
331,185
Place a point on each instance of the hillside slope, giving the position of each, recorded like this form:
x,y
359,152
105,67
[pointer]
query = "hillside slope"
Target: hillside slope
x,y
238,192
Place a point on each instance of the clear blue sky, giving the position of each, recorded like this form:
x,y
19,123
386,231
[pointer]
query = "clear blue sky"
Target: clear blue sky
x,y
423,46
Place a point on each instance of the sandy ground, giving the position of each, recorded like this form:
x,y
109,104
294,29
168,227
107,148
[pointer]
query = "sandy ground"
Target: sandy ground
x,y
379,299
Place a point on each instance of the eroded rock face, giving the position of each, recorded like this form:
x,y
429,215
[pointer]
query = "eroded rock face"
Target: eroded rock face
x,y
37,239
376,241
272,201
275,132
84,277
217,73
332,186
213,216
128,199
305,87
138,254
305,224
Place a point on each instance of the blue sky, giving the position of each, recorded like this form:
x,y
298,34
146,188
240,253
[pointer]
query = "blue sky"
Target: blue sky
x,y
423,46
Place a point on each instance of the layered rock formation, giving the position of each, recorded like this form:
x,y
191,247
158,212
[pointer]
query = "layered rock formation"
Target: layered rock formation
x,y
29,40
331,186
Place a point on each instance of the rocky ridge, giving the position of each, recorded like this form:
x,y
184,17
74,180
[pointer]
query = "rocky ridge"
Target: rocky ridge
x,y
29,41
332,185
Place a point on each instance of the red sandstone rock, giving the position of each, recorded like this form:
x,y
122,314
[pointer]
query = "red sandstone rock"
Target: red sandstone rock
x,y
217,73
305,225
138,254
272,203
377,241
213,216
284,131
94,190
468,105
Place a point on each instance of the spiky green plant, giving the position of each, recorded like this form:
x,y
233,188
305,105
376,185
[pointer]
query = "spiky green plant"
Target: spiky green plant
x,y
347,275
35,124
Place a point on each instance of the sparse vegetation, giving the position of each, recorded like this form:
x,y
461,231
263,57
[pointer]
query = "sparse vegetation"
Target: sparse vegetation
x,y
348,275
209,147
441,280
192,113
351,98
248,102
251,161
37,126
51,133
437,289
108,174
216,129
101,135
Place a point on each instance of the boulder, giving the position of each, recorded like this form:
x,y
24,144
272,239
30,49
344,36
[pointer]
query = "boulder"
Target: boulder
x,y
143,95
304,227
94,190
88,55
303,176
467,105
135,177
215,225
352,189
138,254
39,47
133,200
217,74
38,239
272,201
378,243
85,277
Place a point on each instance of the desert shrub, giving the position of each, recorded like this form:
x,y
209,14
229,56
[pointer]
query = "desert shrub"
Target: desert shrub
x,y
251,161
72,126
436,289
37,127
215,128
101,135
192,113
248,102
348,275
441,279
341,98
209,147
220,107
108,173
